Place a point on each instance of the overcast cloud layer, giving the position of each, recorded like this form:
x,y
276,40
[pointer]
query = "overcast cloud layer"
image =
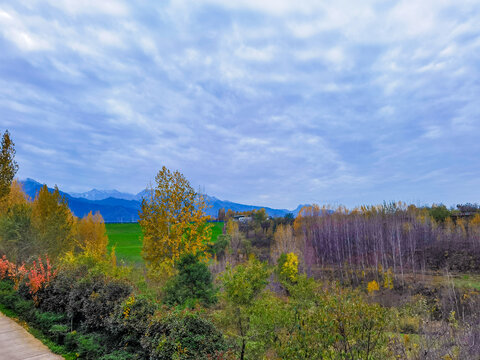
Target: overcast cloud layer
x,y
265,102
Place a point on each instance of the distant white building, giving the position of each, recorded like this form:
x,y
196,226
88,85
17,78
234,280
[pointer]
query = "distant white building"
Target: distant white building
x,y
242,218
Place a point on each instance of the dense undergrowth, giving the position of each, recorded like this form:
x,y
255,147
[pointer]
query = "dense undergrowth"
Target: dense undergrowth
x,y
97,315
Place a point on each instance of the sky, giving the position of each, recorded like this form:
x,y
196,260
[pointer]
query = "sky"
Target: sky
x,y
273,102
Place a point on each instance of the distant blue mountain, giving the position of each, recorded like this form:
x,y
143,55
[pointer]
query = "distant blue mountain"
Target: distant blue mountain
x,y
217,204
112,210
95,194
123,207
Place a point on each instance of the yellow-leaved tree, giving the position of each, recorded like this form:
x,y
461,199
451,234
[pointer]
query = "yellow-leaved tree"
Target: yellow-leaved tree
x,y
53,222
16,196
173,222
92,235
283,242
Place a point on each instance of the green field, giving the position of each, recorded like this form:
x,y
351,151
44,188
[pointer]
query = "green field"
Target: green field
x,y
127,239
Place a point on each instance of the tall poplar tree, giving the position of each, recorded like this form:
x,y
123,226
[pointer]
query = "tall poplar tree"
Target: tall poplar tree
x,y
173,221
8,166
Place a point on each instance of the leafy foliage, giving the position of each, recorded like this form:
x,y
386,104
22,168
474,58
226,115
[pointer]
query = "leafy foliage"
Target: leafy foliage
x,y
53,222
92,235
242,285
173,222
287,268
192,284
8,166
17,234
183,335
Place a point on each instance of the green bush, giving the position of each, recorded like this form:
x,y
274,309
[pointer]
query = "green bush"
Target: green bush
x,y
25,308
110,322
192,284
46,320
184,336
7,294
130,322
6,285
58,333
89,346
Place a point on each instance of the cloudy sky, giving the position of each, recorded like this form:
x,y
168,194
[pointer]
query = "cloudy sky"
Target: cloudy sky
x,y
270,102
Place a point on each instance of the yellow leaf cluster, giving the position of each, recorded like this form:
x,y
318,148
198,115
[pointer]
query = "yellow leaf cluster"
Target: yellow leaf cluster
x,y
16,196
372,286
388,279
53,221
92,235
128,306
290,267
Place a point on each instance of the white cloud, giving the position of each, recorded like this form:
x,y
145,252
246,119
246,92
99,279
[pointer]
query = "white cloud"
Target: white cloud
x,y
91,7
292,101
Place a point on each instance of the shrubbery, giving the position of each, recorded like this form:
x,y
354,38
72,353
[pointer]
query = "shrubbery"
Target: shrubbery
x,y
99,316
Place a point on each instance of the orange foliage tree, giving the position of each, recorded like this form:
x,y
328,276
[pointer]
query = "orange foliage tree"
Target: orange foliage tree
x,y
173,222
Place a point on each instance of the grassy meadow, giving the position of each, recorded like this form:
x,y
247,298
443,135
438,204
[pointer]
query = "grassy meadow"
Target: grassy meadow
x,y
127,239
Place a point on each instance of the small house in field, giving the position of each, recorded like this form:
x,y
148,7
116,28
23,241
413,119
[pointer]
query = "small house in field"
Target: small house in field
x,y
242,218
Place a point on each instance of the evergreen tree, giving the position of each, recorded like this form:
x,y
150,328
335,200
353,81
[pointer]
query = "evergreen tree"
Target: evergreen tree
x,y
192,283
8,166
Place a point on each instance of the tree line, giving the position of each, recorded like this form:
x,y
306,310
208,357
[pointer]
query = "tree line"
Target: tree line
x,y
43,225
403,238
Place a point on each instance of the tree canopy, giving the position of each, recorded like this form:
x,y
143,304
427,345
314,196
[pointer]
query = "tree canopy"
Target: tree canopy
x,y
8,166
173,221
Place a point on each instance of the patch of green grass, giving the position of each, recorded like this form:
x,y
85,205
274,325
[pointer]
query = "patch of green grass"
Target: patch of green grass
x,y
127,239
467,281
217,229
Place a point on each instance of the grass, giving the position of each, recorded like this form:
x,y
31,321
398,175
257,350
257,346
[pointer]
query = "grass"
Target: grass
x,y
468,281
127,239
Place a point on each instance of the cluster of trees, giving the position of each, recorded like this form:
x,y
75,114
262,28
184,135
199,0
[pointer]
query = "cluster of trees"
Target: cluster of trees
x,y
259,236
441,213
371,239
44,225
403,238
173,222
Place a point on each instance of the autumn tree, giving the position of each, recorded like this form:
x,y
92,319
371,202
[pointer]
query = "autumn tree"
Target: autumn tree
x,y
236,242
92,235
173,221
17,235
53,221
260,216
8,166
16,196
284,242
17,238
229,215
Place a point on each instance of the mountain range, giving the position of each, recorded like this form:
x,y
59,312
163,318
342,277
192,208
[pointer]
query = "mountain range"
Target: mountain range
x,y
116,206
